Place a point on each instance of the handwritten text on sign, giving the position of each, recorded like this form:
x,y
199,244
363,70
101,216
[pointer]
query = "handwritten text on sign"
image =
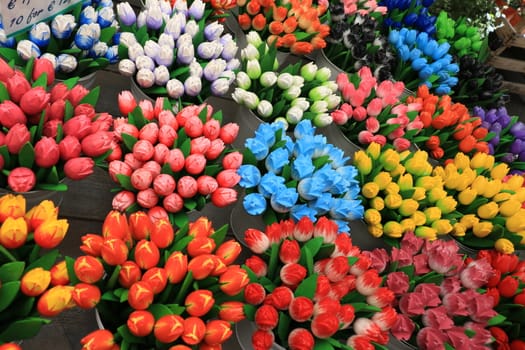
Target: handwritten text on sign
x,y
21,14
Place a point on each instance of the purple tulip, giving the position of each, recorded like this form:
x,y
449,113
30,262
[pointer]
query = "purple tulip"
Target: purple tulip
x,y
491,116
485,124
508,158
504,120
479,111
496,128
494,141
521,157
518,130
517,146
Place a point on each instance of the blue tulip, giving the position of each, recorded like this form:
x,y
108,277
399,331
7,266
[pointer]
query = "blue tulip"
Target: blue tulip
x,y
106,16
112,54
452,67
452,81
270,184
322,204
302,167
62,26
440,51
411,37
254,203
419,63
266,133
250,176
40,34
425,72
394,37
422,40
430,48
404,53
282,201
87,16
87,35
410,19
276,160
442,90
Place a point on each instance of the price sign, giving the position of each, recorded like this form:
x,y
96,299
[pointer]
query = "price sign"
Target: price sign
x,y
18,15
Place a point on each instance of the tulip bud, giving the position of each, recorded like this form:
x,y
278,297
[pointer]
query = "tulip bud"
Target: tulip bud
x,y
55,300
86,296
21,179
79,168
35,282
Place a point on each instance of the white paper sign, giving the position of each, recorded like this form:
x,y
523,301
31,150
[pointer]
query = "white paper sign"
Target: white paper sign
x,y
18,15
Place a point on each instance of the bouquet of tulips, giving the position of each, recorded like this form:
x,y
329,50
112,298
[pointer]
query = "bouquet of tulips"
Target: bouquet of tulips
x,y
172,163
437,295
489,211
175,51
412,14
372,111
34,284
311,288
48,133
76,43
506,286
156,288
297,92
292,178
293,26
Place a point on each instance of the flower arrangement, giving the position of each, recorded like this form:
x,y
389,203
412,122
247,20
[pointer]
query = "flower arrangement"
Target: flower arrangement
x,y
506,287
48,133
76,43
293,26
172,163
489,211
297,92
401,195
373,112
156,288
482,14
175,51
464,39
310,287
303,176
448,127
423,61
34,284
409,14
436,295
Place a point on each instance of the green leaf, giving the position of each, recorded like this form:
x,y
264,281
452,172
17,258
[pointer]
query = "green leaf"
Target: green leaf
x,y
496,320
307,287
136,117
323,344
185,147
181,244
314,245
26,157
106,34
9,54
364,307
129,141
8,293
92,97
448,347
69,111
46,261
179,219
217,116
176,309
283,328
70,263
249,311
212,170
219,235
11,271
128,337
41,81
125,182
159,310
247,157
28,70
4,95
23,329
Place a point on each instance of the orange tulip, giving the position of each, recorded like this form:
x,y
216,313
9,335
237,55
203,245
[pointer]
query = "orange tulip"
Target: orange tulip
x,y
232,311
45,210
229,251
114,251
286,40
480,133
140,225
202,266
233,280
217,332
10,346
116,225
147,254
200,245
467,144
157,277
276,27
101,339
289,25
301,48
88,269
220,266
162,233
176,267
245,22
51,233
129,273
194,330
318,42
279,13
59,274
140,323
13,206
35,282
199,302
462,130
200,227
168,328
13,233
55,300
253,7
91,244
259,22
86,296
140,295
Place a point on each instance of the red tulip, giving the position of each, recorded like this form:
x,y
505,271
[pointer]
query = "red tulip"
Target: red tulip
x,y
76,94
86,296
201,266
143,150
123,200
164,184
47,152
199,302
187,186
200,245
229,133
233,280
194,330
508,286
116,225
17,85
17,137
257,265
266,317
232,160
147,198
168,328
114,251
173,203
157,277
232,311
78,126
79,168
126,102
255,294
21,179
140,323
217,332
301,338
140,295
88,269
292,274
217,146
59,91
129,273
41,66
96,144
10,346
6,71
206,185
301,309
229,251
176,267
69,148
101,339
35,100
11,114
222,197
289,251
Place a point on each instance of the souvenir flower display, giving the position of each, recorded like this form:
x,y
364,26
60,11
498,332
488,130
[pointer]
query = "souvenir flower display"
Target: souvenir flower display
x,y
489,203
287,177
506,286
507,143
436,295
48,134
409,14
156,288
34,284
77,43
464,39
176,52
372,111
293,26
423,61
297,92
173,163
400,194
310,287
448,127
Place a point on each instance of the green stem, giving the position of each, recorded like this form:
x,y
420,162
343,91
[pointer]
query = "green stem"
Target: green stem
x,y
184,288
113,279
7,254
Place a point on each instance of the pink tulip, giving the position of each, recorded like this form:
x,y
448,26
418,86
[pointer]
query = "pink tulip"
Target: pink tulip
x,y
69,148
86,109
102,122
215,150
381,139
76,94
157,213
401,144
126,102
359,114
212,129
149,132
173,203
195,164
51,128
59,92
159,106
6,71
79,168
375,106
200,145
153,167
166,117
116,152
161,153
78,126
96,144
365,137
187,112
228,178
223,197
176,160
193,126
56,110
187,187
118,167
47,152
167,135
41,66
11,114
339,117
206,185
164,185
133,162
143,150
372,125
21,179
399,132
147,198
17,85
229,133
232,160
147,109
141,179
123,200
17,137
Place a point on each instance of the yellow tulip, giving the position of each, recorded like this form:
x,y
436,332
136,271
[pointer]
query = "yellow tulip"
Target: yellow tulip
x,y
35,282
520,194
377,203
398,171
426,232
404,155
13,206
469,220
439,171
488,210
503,196
13,233
462,161
493,188
372,216
432,214
408,207
436,194
392,188
459,229
393,229
514,182
499,171
522,234
482,161
408,225
51,233
428,182
374,150
55,300
419,218
504,246
370,190
393,201
479,184
509,207
442,226
482,229
375,230
467,196
383,179
447,205
405,182
516,222
419,194
362,162
45,210
418,165
465,180
389,159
